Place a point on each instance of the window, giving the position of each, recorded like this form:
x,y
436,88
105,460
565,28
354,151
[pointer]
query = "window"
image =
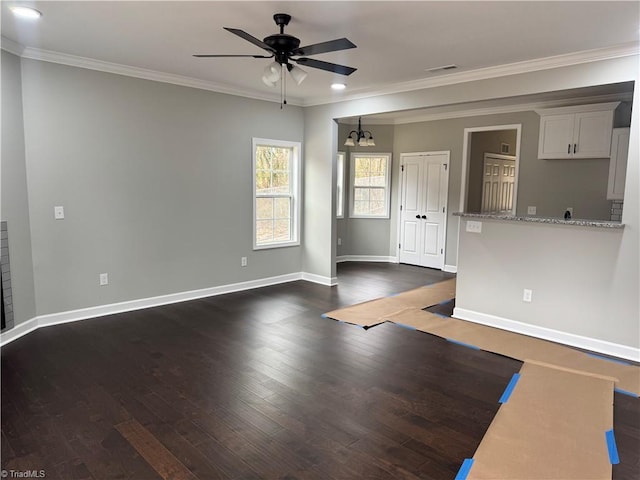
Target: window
x,y
340,185
370,180
276,167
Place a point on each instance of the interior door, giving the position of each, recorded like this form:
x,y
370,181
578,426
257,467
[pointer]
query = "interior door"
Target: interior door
x,y
498,184
425,182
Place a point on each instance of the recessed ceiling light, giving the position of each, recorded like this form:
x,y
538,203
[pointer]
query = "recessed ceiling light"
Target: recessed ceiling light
x,y
338,86
25,12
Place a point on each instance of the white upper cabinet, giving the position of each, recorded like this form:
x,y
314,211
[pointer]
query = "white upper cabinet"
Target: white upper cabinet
x,y
618,163
582,131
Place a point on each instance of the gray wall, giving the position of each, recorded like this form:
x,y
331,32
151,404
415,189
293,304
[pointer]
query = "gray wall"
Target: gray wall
x,y
15,205
481,143
156,184
365,236
321,135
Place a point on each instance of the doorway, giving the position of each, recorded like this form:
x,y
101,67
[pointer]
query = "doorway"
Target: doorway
x,y
423,208
502,144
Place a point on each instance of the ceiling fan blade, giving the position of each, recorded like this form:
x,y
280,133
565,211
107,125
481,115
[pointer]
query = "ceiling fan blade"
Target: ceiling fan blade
x,y
324,47
233,56
330,67
249,38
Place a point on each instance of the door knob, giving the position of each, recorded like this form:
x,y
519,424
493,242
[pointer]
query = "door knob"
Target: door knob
x,y
424,217
417,216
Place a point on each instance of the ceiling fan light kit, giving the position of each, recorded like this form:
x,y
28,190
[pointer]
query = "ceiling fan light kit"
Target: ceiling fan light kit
x,y
284,47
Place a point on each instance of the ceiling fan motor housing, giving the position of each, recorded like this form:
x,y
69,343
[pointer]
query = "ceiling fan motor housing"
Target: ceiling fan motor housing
x,y
282,43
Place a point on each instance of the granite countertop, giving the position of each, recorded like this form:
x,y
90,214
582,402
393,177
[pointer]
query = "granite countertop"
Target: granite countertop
x,y
548,220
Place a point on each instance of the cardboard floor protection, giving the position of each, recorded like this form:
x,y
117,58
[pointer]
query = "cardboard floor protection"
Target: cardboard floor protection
x,y
406,309
552,425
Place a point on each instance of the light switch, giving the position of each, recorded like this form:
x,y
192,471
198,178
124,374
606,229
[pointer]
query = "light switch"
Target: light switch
x,y
58,213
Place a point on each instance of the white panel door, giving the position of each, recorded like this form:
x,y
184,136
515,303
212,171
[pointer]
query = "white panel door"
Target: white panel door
x,y
411,202
424,193
498,184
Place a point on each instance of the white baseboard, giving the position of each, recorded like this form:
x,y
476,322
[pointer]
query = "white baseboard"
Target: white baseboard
x,y
588,343
322,280
101,310
450,268
18,331
366,258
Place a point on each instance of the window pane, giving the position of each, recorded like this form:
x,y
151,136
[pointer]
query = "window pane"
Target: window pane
x,y
283,208
360,207
376,208
263,181
263,160
378,172
264,208
362,171
282,232
376,194
264,231
340,185
280,182
361,194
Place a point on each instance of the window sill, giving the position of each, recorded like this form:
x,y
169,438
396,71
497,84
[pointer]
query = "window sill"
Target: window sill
x,y
276,245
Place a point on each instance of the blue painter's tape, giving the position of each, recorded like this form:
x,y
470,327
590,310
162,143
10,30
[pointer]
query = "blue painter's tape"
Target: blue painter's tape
x,y
611,446
324,315
462,343
507,391
441,315
445,302
614,360
626,392
408,327
464,469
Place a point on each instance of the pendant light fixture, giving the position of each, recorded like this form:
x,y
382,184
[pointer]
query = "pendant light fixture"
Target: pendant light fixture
x,y
363,138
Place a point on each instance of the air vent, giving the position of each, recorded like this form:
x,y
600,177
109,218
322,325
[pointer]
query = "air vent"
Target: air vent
x,y
442,68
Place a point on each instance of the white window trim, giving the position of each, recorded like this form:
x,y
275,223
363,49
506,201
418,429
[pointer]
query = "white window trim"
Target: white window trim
x,y
295,190
387,186
341,197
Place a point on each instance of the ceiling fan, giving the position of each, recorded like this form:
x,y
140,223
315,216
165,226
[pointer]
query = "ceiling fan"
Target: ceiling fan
x,y
284,47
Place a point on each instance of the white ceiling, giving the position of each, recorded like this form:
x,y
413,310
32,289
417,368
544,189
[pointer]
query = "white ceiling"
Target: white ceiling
x,y
397,41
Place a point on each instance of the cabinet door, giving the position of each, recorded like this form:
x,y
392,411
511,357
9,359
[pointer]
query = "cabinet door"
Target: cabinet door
x,y
556,136
618,163
592,134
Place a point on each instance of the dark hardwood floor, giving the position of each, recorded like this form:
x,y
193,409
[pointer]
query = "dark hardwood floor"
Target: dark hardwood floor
x,y
256,385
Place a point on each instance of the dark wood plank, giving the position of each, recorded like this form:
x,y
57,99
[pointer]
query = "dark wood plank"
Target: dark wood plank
x,y
154,452
256,385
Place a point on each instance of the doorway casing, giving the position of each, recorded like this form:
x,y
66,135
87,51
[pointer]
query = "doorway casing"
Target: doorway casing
x,y
466,160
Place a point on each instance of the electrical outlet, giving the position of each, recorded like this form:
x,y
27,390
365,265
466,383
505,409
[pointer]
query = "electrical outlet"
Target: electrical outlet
x,y
58,213
474,227
339,241
531,210
243,261
104,279
526,295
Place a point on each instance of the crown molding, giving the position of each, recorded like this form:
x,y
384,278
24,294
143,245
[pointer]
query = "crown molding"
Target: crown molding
x,y
11,46
624,50
527,66
430,116
146,74
521,107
